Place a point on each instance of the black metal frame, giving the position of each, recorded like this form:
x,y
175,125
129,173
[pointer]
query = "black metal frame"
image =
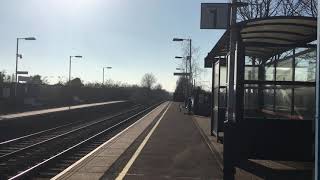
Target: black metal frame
x,y
217,121
247,131
250,138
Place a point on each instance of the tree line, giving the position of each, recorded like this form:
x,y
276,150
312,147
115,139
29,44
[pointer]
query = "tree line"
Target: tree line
x,y
78,92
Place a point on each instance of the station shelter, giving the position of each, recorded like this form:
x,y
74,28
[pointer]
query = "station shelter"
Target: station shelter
x,y
274,90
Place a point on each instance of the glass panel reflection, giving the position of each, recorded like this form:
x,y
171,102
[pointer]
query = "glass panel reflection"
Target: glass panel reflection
x,y
305,69
294,99
251,73
304,102
284,70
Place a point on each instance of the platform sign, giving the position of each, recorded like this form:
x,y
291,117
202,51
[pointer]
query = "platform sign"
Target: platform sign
x,y
181,74
22,72
215,15
24,78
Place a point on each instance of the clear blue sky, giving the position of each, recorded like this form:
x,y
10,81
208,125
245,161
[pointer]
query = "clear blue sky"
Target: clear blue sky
x,y
132,36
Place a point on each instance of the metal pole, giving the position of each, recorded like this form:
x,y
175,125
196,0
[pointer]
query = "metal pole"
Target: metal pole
x,y
187,84
317,165
70,71
212,100
228,145
186,87
70,100
231,64
190,56
103,76
17,56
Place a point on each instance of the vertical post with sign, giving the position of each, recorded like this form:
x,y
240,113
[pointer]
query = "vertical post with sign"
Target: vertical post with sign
x,y
317,124
214,16
223,16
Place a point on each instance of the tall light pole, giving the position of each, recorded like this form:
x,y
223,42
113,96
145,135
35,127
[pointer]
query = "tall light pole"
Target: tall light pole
x,y
103,73
186,80
180,57
188,57
70,58
70,67
186,76
17,58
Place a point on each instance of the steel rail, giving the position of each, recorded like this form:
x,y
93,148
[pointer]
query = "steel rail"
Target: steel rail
x,y
8,155
39,165
44,131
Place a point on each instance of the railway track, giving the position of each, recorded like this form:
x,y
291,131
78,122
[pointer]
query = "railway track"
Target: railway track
x,y
15,145
45,154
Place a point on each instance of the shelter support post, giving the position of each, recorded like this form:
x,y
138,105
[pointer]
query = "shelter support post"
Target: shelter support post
x,y
232,143
317,116
212,100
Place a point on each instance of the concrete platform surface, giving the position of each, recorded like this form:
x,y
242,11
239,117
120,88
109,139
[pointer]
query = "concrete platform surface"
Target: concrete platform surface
x,y
174,150
95,164
51,110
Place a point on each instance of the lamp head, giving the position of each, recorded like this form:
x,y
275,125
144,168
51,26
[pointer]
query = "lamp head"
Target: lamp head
x,y
30,38
177,39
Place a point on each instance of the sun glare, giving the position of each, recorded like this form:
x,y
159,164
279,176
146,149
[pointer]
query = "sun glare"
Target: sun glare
x,y
72,6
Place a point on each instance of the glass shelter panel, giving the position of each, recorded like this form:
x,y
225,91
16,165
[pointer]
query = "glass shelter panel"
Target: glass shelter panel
x,y
291,95
283,100
304,102
269,72
219,93
305,65
268,98
216,75
284,70
251,106
223,76
251,72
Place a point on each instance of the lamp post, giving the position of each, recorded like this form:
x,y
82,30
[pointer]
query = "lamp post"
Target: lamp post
x,y
186,76
17,58
190,52
186,79
70,67
188,57
180,57
103,73
70,58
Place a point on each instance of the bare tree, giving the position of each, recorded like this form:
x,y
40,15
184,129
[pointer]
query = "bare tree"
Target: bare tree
x,y
2,77
197,70
62,81
148,80
266,8
308,7
158,87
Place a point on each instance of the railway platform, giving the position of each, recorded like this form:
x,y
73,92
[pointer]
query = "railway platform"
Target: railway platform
x,y
164,144
53,110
